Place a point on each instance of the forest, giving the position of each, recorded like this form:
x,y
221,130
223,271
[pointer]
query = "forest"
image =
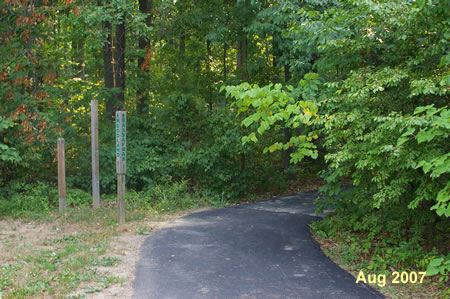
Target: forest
x,y
230,99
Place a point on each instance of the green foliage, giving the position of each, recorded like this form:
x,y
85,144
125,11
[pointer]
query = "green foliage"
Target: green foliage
x,y
162,198
168,198
184,130
31,198
440,266
8,154
370,118
435,131
385,125
77,197
39,199
375,251
272,107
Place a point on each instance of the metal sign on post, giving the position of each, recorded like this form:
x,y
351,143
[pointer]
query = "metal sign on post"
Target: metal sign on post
x,y
121,145
121,161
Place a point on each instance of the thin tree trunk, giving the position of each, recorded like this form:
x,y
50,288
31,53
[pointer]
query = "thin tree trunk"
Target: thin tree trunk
x,y
287,135
276,54
119,66
287,73
242,70
208,55
208,70
108,71
242,53
224,61
287,155
78,58
183,44
82,57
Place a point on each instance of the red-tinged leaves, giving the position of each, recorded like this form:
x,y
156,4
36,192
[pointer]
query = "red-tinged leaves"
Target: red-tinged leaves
x,y
145,66
41,95
76,11
49,77
9,95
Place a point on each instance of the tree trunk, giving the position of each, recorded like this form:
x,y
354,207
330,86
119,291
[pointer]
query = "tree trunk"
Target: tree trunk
x,y
208,55
242,56
208,70
145,7
119,66
287,135
287,154
78,58
108,72
276,54
183,44
224,61
287,73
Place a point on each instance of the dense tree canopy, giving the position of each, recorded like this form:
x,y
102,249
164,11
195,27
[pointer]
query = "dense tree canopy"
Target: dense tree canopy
x,y
357,88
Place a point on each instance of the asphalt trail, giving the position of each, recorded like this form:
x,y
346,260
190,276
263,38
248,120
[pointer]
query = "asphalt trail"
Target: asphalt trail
x,y
259,250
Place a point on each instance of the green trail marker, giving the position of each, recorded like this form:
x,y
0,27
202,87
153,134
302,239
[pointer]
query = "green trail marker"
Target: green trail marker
x,y
121,161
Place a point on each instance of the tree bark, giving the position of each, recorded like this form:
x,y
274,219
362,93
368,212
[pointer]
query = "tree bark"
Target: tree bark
x,y
287,73
208,55
108,72
287,135
242,54
276,54
119,66
183,44
208,70
224,61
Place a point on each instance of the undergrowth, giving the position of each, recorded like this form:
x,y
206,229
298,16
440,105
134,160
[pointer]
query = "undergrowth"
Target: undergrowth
x,y
392,247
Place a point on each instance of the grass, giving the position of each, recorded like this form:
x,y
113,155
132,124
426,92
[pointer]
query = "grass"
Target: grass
x,y
63,260
71,255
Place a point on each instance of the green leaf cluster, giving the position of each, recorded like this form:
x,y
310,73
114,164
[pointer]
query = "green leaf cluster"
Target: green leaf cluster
x,y
274,107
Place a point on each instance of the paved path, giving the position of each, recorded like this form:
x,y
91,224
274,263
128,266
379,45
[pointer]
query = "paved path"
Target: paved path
x,y
259,250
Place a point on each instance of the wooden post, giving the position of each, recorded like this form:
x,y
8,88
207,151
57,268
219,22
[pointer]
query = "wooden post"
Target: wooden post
x,y
121,161
95,158
61,176
121,197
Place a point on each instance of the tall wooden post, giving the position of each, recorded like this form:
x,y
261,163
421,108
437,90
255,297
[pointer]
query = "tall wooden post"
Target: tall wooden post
x,y
61,176
121,161
95,155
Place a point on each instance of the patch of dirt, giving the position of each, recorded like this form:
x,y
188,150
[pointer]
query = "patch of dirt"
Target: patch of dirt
x,y
16,234
126,246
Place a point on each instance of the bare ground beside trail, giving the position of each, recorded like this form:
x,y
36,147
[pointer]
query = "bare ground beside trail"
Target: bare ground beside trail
x,y
20,242
127,247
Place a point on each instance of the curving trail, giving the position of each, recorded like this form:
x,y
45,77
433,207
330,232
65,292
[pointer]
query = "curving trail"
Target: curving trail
x,y
258,250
